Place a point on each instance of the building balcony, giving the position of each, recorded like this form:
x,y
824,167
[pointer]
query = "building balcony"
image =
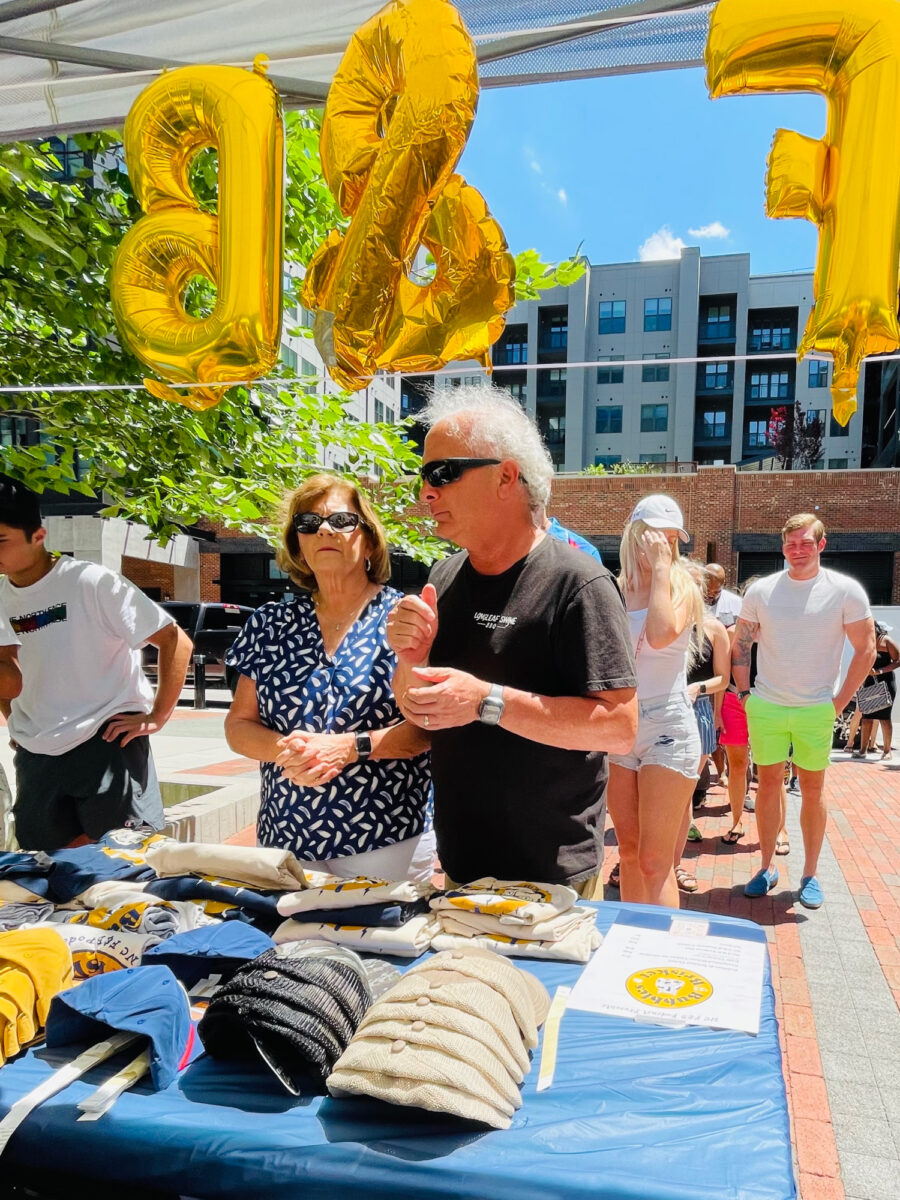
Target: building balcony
x,y
719,334
770,401
703,437
723,390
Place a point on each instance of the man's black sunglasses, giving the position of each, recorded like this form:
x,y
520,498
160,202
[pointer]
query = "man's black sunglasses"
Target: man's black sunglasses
x,y
441,471
309,522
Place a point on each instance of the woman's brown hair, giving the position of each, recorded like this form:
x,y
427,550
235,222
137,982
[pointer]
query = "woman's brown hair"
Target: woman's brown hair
x,y
289,556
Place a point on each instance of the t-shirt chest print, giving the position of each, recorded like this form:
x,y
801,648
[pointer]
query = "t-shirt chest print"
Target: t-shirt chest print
x,y
298,687
32,622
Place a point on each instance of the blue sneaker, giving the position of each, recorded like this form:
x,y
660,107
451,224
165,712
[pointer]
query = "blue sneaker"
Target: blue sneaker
x,y
810,894
761,883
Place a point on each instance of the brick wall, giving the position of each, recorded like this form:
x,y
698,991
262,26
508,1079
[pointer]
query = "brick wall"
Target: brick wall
x,y
719,502
146,575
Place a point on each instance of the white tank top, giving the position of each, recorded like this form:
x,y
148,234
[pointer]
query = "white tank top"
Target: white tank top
x,y
659,672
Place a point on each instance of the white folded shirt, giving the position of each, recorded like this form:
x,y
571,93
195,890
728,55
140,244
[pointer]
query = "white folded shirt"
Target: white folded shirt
x,y
577,947
331,891
406,941
510,901
256,866
554,930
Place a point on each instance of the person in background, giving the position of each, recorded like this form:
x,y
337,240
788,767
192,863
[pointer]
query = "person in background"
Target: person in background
x,y
81,724
721,602
800,618
887,660
650,787
345,779
515,658
552,526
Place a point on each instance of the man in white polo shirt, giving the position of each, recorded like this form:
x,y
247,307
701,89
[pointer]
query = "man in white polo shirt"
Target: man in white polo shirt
x,y
800,618
82,721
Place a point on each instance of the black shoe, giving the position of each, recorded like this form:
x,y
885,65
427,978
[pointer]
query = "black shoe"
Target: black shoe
x,y
698,800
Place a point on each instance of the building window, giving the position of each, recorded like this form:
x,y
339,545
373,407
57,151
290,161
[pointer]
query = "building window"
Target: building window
x,y
553,430
836,430
815,414
654,418
551,383
652,458
773,385
655,374
837,464
517,390
612,316
555,332
288,357
771,337
818,373
714,423
716,377
607,460
610,374
307,318
658,315
718,323
311,374
758,433
513,346
609,420
14,431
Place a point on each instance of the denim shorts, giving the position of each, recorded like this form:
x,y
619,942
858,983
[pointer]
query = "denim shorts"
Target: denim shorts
x,y
706,723
667,736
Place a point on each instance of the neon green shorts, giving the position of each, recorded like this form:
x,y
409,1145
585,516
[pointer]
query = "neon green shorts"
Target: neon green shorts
x,y
775,727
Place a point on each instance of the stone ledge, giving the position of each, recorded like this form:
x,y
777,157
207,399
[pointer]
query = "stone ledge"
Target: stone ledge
x,y
218,812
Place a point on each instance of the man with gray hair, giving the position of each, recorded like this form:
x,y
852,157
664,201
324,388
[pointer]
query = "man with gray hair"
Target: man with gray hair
x,y
516,657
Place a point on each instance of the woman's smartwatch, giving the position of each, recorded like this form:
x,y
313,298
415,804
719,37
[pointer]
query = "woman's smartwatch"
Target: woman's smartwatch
x,y
363,746
702,689
743,695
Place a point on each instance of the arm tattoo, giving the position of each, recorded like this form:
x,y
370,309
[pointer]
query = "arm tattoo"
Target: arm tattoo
x,y
743,641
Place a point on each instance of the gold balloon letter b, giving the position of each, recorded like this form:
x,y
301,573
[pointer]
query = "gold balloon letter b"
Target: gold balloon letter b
x,y
849,182
239,250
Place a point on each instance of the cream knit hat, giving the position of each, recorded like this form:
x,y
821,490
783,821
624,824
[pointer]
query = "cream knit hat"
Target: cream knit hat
x,y
450,1036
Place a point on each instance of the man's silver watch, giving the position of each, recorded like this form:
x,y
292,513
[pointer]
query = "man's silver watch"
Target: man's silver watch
x,y
490,710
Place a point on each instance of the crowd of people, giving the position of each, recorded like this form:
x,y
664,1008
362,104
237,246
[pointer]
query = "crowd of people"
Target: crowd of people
x,y
490,720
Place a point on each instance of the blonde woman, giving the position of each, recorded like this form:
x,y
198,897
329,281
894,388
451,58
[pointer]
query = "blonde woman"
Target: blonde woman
x,y
650,788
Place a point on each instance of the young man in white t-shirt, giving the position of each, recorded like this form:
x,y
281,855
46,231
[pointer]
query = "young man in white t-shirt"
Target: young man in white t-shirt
x,y
800,618
82,720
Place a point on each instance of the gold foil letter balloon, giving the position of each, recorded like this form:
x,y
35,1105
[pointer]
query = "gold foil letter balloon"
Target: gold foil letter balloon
x,y
398,114
849,182
239,250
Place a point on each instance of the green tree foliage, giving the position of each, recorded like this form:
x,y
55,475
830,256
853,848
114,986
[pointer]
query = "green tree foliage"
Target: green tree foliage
x,y
622,468
150,460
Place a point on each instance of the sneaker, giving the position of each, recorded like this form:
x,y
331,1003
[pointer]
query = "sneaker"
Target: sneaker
x,y
762,883
694,834
698,800
749,803
794,786
810,894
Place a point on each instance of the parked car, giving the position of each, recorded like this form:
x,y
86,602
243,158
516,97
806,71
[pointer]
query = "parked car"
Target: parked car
x,y
212,628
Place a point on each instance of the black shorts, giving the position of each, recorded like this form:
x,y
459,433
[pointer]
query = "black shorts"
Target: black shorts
x,y
89,790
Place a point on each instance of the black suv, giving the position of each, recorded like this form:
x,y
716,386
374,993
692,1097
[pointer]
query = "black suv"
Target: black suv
x,y
212,628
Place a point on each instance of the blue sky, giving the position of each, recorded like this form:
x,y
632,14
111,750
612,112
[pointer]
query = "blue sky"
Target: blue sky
x,y
613,162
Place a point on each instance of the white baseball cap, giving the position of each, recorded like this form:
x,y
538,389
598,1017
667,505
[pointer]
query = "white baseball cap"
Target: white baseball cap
x,y
660,512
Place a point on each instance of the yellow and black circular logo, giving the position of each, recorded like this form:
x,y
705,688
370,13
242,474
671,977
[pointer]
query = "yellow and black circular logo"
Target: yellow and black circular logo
x,y
668,987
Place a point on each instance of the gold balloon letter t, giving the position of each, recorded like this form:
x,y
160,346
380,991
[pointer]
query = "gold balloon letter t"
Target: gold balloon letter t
x,y
848,183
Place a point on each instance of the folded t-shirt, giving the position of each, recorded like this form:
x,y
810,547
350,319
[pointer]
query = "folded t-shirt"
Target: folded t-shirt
x,y
408,941
331,892
253,866
510,901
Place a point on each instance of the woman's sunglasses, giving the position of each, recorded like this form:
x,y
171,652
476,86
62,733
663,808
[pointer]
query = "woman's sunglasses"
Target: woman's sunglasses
x,y
309,522
441,471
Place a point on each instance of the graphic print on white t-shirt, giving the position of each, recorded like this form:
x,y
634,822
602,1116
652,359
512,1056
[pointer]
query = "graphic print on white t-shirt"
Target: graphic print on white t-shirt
x,y
80,629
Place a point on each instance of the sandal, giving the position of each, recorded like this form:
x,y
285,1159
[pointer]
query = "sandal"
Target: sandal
x,y
614,879
782,846
685,880
732,837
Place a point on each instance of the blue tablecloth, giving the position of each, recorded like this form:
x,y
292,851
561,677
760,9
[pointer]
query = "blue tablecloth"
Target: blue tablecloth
x,y
636,1112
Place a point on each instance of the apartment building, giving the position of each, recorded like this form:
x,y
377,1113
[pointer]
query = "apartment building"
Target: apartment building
x,y
644,362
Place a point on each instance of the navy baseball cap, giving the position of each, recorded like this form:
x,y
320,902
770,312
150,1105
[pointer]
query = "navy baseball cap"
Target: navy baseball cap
x,y
149,1002
210,950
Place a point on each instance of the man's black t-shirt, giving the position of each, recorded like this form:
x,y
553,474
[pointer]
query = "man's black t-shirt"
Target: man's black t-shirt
x,y
553,624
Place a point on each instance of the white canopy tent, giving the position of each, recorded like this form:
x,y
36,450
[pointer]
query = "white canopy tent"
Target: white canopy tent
x,y
71,65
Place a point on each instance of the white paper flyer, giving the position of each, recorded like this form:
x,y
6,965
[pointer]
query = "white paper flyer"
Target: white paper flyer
x,y
656,975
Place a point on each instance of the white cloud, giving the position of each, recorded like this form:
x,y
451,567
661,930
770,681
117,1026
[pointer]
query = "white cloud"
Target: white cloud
x,y
662,244
562,196
536,166
715,229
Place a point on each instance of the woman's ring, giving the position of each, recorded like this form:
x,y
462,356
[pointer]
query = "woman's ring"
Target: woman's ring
x,y
425,721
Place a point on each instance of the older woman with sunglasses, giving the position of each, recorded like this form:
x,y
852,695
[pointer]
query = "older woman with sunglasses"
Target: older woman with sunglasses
x,y
345,779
